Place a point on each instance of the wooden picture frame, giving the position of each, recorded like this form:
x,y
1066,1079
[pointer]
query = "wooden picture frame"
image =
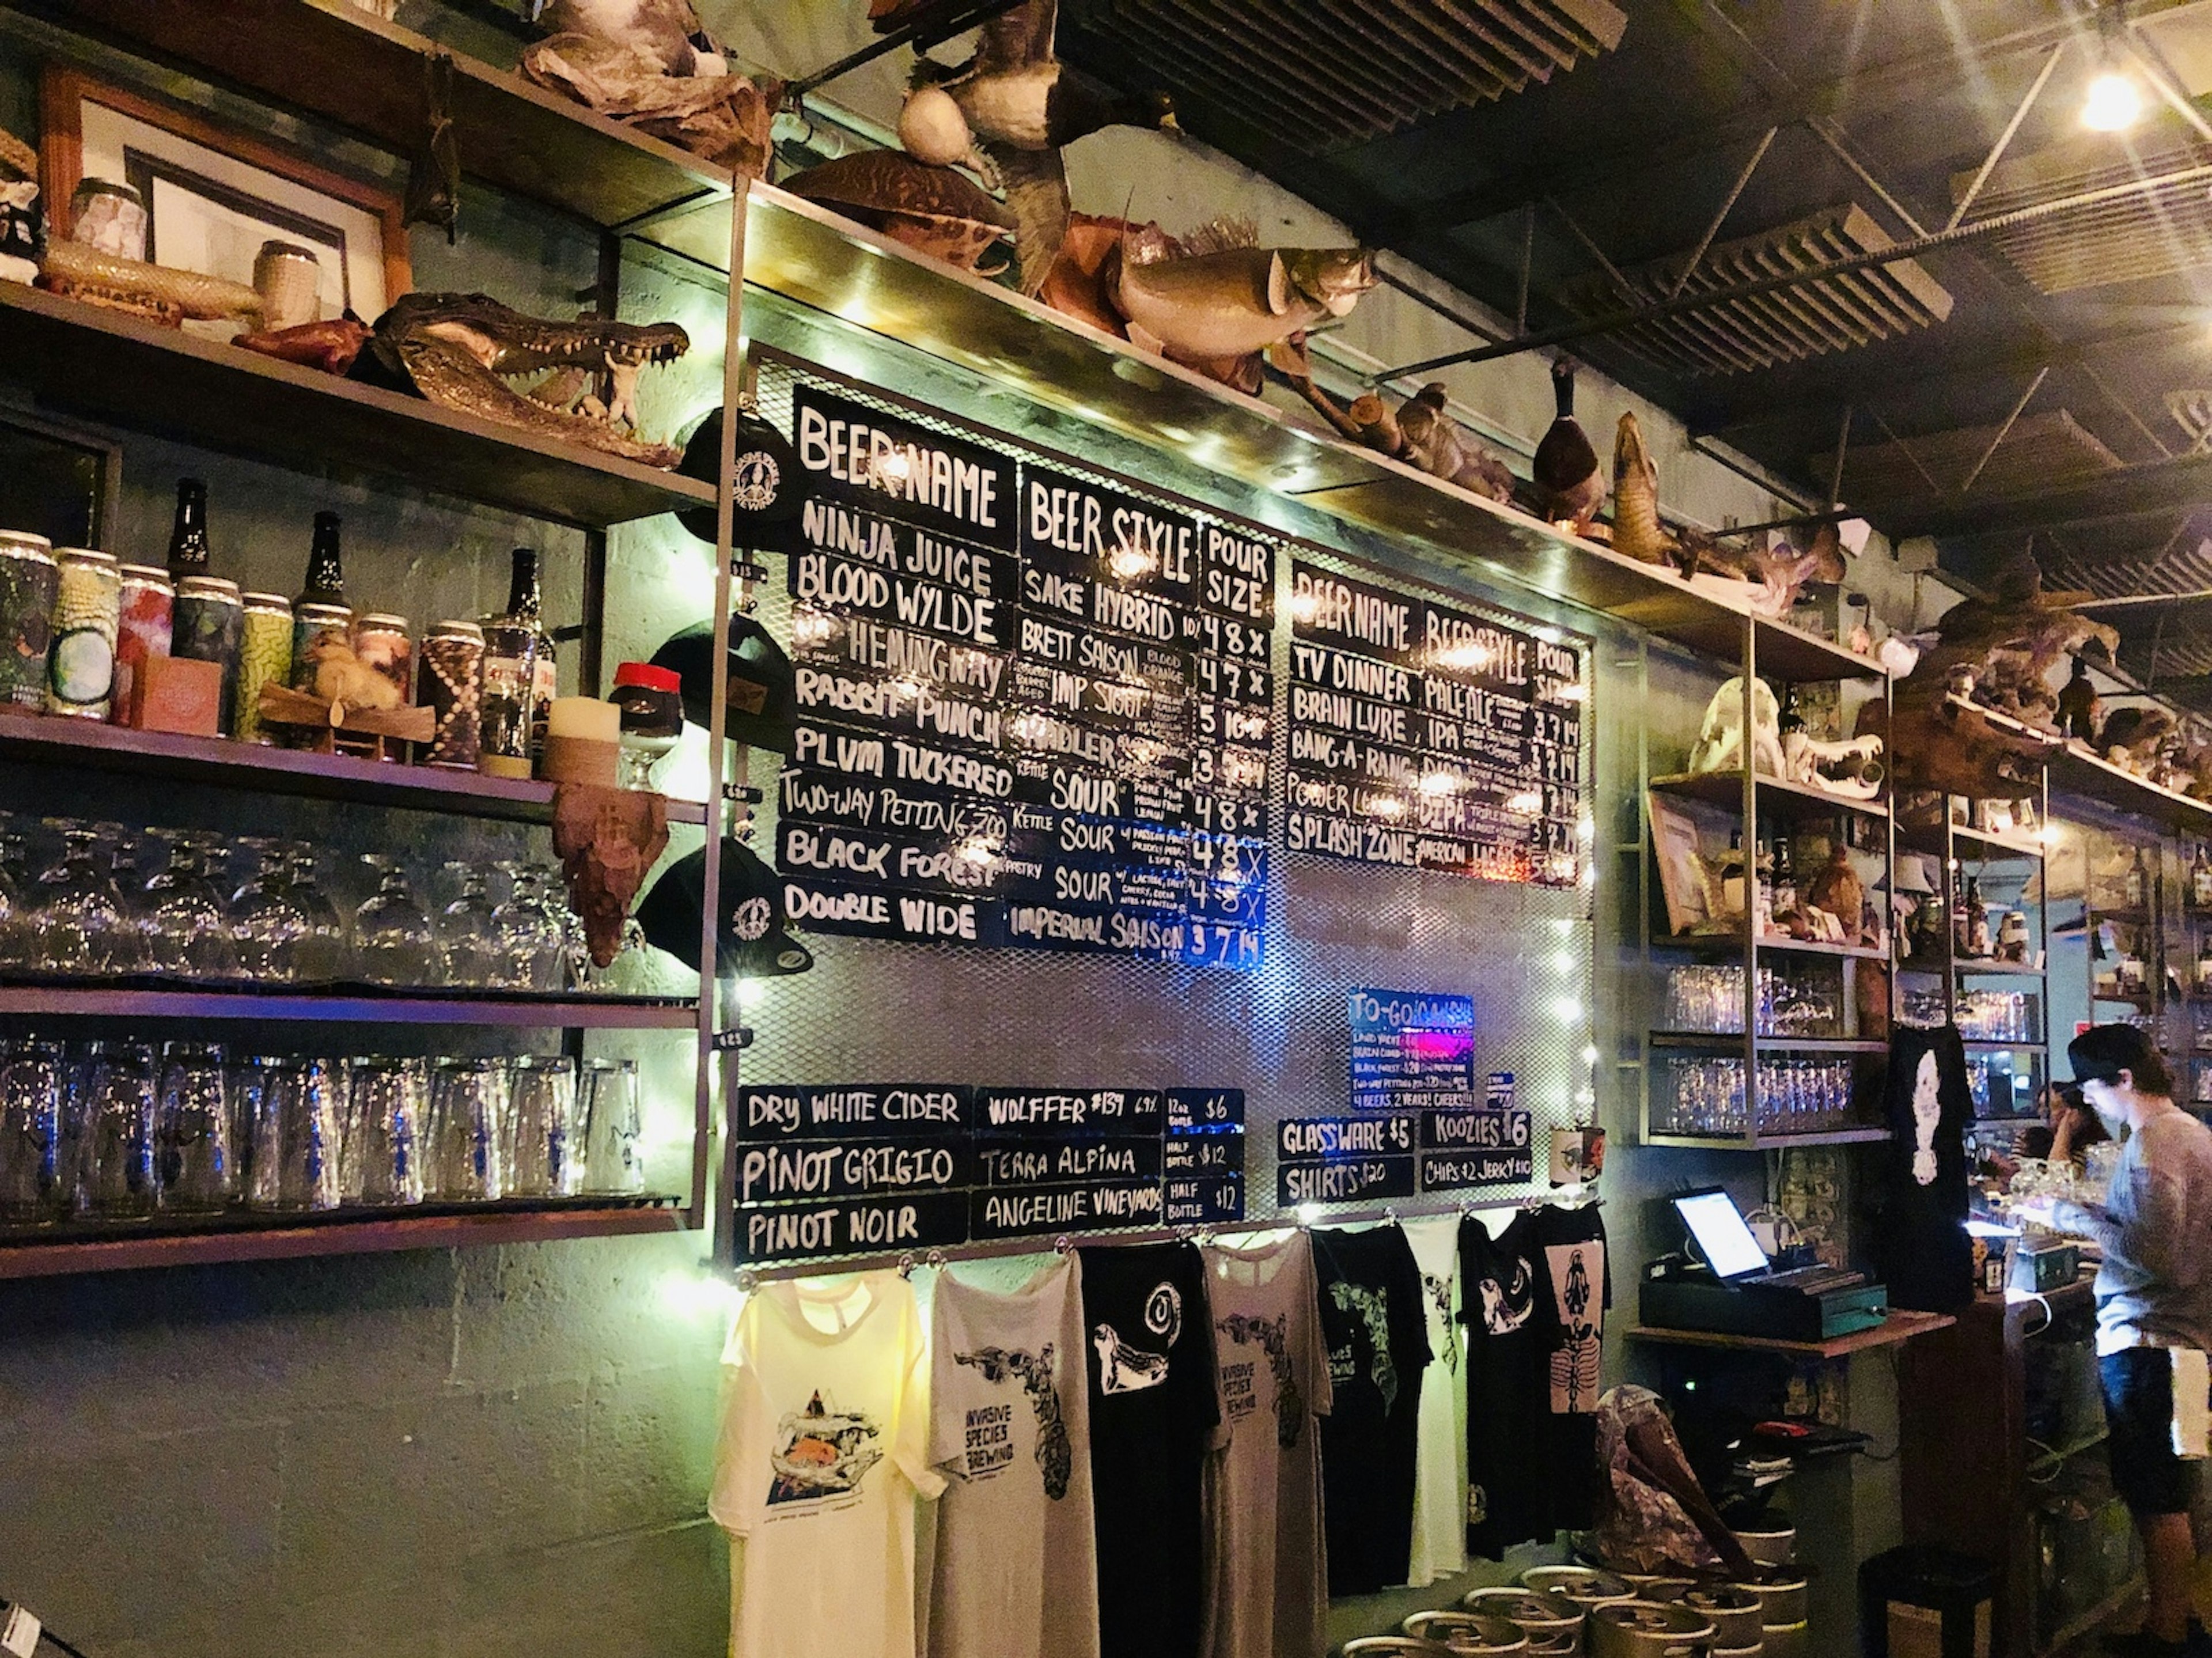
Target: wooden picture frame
x,y
377,276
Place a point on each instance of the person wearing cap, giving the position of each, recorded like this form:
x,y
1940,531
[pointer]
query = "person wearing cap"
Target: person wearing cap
x,y
2154,1305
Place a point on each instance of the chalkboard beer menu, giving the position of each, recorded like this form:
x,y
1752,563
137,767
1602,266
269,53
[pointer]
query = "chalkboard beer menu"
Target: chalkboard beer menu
x,y
1035,709
1428,736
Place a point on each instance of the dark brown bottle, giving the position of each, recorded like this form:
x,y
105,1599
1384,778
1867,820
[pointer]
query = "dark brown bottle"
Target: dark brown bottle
x,y
188,541
326,569
526,603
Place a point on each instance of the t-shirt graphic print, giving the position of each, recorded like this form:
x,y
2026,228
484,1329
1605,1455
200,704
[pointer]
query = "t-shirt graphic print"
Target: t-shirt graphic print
x,y
1153,1407
1374,1314
1440,1471
1266,1581
1016,1572
1571,1244
822,1451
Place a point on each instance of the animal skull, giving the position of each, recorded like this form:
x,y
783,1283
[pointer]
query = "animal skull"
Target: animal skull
x,y
1805,755
1720,744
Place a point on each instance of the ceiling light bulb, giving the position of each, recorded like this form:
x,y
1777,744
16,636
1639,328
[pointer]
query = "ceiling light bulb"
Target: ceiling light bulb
x,y
2113,104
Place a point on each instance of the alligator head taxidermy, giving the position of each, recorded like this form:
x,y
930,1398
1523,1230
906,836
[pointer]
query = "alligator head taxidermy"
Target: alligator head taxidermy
x,y
460,351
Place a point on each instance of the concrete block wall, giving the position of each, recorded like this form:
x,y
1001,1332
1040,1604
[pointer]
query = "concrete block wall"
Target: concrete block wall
x,y
482,1452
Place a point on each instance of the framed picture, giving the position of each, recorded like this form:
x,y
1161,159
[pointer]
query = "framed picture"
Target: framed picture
x,y
213,195
1696,899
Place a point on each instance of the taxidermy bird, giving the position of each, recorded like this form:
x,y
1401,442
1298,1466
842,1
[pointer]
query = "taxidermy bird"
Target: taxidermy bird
x,y
1569,486
1007,112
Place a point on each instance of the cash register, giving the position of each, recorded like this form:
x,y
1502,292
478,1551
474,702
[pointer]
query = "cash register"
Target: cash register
x,y
1734,1290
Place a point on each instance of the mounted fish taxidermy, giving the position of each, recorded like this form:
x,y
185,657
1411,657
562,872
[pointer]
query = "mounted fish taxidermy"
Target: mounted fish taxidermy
x,y
458,350
1007,112
1214,301
935,210
1776,573
652,64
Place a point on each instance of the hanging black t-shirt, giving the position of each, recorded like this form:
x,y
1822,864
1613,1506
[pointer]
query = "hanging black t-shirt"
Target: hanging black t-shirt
x,y
1571,1245
1376,1326
1927,1260
1507,1342
1153,1409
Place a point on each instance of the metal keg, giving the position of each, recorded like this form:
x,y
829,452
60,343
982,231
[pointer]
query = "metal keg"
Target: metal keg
x,y
1469,1632
1393,1646
1770,1548
1782,1596
1644,1629
1756,1649
1585,1586
1542,1619
1564,1644
1736,1613
1786,1640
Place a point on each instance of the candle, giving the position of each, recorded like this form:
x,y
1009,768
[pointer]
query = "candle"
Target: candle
x,y
585,717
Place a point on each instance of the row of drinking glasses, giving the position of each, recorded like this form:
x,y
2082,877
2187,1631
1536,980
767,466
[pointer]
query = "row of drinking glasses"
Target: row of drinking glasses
x,y
1709,1000
1998,1015
120,1130
1801,1096
91,914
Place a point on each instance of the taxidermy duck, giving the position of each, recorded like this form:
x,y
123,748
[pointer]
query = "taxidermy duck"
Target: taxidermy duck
x,y
1007,112
2079,706
1569,483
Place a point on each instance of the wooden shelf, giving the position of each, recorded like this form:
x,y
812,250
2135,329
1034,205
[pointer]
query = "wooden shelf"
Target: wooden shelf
x,y
1765,1142
345,1007
351,1232
1931,841
90,745
1777,798
102,362
1734,942
2075,771
1898,1326
1991,1045
332,61
1734,1039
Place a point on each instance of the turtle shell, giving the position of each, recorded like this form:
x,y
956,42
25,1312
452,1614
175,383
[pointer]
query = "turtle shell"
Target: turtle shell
x,y
937,210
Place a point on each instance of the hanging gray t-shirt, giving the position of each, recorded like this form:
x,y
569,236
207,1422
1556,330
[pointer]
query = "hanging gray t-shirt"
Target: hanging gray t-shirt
x,y
1267,1590
2155,1288
1017,1573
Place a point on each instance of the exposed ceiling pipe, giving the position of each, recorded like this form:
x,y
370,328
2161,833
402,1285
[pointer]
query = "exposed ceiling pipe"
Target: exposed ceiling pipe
x,y
1910,248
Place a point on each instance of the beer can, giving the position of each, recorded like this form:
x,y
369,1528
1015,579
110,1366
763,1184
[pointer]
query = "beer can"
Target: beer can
x,y
144,618
29,577
81,656
264,658
381,642
452,659
315,627
210,627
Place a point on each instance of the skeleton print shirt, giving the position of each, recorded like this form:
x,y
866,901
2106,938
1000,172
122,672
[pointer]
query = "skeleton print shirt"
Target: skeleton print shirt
x,y
1571,1245
1017,1574
1149,1342
1373,1314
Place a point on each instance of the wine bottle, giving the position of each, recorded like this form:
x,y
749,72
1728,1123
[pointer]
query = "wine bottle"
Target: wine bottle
x,y
188,541
1979,946
2138,883
525,602
506,705
325,582
2204,966
2200,879
1785,876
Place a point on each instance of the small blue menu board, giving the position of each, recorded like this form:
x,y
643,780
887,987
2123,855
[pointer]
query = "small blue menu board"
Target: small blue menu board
x,y
1411,1051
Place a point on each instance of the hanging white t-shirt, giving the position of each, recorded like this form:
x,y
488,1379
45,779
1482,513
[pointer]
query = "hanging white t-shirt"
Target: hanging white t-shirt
x,y
1440,1465
823,1447
1268,1575
1016,1570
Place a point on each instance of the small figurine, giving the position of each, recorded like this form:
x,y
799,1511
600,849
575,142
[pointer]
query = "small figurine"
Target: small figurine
x,y
2078,705
23,222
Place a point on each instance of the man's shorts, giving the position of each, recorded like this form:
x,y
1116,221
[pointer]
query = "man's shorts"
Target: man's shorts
x,y
2139,1412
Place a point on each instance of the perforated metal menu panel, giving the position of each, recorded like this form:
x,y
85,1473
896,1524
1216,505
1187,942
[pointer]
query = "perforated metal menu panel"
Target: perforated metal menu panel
x,y
881,1012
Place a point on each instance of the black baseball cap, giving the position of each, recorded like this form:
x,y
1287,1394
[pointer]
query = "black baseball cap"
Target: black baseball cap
x,y
764,697
770,486
752,942
2100,1054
